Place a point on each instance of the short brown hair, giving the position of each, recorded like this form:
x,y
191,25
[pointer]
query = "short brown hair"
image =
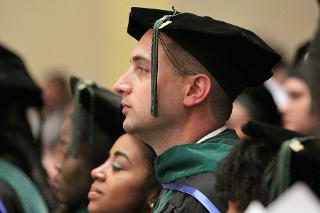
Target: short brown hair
x,y
185,64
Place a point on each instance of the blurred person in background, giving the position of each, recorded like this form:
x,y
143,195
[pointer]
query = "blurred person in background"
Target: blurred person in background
x,y
126,182
56,99
86,138
302,111
253,104
302,81
266,164
21,173
298,114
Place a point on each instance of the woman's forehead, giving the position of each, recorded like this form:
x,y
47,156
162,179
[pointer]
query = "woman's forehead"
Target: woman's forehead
x,y
129,145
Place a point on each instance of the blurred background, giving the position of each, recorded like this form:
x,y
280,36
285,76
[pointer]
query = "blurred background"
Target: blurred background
x,y
88,38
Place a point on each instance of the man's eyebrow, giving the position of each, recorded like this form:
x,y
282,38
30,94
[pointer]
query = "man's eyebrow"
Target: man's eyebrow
x,y
139,58
119,153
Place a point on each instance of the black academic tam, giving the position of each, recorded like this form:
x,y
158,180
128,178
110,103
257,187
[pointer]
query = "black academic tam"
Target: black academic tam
x,y
102,104
235,57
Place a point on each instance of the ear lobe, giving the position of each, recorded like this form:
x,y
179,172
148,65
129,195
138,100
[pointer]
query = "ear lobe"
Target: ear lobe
x,y
198,89
152,199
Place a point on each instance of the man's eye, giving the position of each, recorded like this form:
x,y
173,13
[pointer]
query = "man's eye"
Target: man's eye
x,y
141,69
116,166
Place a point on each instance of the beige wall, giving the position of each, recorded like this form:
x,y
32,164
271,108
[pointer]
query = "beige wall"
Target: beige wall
x,y
283,23
88,37
85,37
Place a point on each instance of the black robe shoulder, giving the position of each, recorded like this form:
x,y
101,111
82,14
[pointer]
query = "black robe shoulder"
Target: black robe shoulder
x,y
185,203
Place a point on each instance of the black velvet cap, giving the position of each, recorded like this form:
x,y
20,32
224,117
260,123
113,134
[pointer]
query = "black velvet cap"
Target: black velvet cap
x,y
235,57
103,106
16,83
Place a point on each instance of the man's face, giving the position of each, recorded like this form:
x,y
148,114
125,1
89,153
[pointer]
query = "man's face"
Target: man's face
x,y
135,84
297,114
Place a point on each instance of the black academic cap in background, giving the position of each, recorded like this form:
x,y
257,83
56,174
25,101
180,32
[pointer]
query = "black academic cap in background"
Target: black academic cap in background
x,y
308,67
311,68
300,53
104,110
16,84
273,134
299,70
234,56
314,49
260,104
104,104
297,160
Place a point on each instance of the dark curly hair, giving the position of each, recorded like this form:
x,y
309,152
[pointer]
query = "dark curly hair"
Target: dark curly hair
x,y
239,177
254,167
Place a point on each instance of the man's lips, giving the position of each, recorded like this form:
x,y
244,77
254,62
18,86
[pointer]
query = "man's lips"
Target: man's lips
x,y
94,193
125,108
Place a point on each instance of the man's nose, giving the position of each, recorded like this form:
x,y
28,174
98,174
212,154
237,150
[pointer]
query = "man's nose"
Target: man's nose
x,y
122,85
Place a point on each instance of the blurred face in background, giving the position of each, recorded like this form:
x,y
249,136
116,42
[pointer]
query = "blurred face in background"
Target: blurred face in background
x,y
72,181
55,94
297,114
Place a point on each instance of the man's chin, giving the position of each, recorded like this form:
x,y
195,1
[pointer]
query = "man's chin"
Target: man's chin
x,y
133,130
127,127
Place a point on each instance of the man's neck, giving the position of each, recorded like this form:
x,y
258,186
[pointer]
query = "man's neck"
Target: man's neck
x,y
189,133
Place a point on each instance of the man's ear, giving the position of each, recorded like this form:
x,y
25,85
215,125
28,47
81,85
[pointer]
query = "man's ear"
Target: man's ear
x,y
197,90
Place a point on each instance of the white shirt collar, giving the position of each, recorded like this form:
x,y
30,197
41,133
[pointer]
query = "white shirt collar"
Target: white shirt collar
x,y
212,134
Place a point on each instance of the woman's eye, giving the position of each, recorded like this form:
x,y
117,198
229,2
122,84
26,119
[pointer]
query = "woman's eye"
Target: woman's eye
x,y
116,166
